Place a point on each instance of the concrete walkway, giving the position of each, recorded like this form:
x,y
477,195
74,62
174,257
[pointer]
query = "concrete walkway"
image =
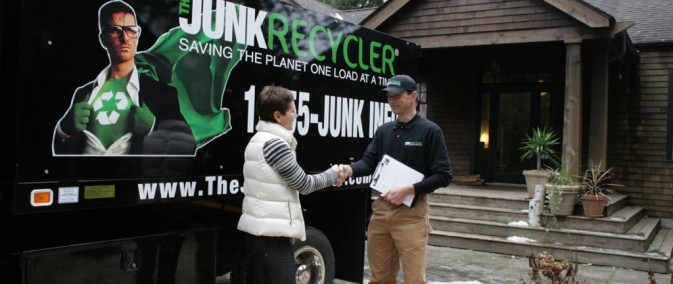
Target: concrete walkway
x,y
448,265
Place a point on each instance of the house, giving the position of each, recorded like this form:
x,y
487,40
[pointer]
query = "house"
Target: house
x,y
598,72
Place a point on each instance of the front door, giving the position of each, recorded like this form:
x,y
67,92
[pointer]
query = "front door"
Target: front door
x,y
507,116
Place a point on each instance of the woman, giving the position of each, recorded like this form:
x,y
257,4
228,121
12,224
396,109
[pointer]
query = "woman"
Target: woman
x,y
272,214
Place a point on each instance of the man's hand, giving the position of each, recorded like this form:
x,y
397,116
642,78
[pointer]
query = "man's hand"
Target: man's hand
x,y
143,120
396,195
338,170
82,113
346,172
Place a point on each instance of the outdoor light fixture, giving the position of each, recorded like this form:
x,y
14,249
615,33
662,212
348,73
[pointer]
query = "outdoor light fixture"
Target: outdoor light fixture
x,y
484,139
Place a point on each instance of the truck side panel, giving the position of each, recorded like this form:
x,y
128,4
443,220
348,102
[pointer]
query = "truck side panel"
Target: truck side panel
x,y
335,68
208,63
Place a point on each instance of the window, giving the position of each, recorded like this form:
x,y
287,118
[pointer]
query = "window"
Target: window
x,y
669,129
422,99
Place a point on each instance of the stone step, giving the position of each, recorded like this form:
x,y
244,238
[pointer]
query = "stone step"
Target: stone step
x,y
655,258
662,244
636,239
614,203
618,222
483,213
513,199
494,219
487,198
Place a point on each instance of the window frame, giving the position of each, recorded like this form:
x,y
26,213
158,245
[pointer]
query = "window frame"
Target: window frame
x,y
669,113
422,89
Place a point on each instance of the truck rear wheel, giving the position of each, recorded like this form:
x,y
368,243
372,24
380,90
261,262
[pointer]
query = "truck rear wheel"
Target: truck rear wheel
x,y
314,260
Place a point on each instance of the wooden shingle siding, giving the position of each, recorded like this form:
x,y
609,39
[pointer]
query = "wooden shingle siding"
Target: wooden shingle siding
x,y
638,135
450,102
445,18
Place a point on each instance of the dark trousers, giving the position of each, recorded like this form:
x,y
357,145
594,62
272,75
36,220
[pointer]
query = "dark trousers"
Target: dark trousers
x,y
272,259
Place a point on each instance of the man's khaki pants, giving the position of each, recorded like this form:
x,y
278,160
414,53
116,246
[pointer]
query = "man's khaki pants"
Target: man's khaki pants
x,y
398,234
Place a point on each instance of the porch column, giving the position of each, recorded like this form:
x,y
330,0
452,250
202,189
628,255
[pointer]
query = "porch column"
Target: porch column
x,y
572,112
599,106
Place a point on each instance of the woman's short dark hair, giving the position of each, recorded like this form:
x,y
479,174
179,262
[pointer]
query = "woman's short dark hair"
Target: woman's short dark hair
x,y
106,11
271,99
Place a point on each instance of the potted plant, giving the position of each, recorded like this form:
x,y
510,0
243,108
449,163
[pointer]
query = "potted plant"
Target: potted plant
x,y
596,183
561,191
539,145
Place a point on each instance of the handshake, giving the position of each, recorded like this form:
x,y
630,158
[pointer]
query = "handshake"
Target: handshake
x,y
342,173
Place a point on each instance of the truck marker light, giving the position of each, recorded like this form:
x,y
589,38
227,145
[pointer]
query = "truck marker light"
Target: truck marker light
x,y
41,197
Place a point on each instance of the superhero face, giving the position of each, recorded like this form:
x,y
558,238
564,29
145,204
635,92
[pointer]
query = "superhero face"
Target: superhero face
x,y
120,37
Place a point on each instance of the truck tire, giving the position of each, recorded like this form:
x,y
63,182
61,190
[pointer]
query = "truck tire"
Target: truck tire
x,y
314,259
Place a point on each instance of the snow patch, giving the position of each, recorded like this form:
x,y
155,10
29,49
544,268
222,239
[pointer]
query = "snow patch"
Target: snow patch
x,y
457,282
520,239
518,223
366,281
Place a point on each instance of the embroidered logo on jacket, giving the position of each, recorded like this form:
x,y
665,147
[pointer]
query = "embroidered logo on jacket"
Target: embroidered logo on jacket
x,y
414,143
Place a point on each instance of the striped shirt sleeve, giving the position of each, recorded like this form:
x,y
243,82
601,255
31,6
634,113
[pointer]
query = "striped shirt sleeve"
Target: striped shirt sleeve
x,y
279,156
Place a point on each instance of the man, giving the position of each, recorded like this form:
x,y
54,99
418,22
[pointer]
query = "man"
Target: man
x,y
113,114
397,233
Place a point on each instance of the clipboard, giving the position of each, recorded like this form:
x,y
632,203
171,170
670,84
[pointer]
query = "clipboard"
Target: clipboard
x,y
391,173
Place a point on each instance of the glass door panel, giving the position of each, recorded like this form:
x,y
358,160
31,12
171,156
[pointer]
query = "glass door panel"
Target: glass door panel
x,y
513,120
506,118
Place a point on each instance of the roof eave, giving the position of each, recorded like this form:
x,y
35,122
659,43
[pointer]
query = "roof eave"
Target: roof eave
x,y
382,13
583,12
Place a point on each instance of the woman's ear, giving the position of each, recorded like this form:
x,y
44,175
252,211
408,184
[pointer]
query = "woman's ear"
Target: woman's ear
x,y
277,115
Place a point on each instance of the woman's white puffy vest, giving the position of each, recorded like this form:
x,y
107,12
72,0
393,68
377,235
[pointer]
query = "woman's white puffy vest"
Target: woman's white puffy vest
x,y
270,207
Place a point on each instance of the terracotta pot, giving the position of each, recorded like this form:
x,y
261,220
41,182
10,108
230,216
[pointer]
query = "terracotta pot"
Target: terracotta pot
x,y
593,205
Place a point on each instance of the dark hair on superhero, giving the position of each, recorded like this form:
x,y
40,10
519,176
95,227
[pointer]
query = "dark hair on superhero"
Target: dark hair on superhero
x,y
115,6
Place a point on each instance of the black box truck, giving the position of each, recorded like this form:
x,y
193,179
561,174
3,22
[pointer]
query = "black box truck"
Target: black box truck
x,y
138,178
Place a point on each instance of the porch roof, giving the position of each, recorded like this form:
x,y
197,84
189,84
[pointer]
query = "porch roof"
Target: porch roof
x,y
458,24
652,18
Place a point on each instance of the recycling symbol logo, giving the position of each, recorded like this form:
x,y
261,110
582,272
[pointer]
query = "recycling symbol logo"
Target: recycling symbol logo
x,y
108,105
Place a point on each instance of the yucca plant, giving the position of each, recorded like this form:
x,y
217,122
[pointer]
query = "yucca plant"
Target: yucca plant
x,y
539,144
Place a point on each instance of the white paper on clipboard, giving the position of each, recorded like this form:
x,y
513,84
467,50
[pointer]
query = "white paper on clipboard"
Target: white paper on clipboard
x,y
392,173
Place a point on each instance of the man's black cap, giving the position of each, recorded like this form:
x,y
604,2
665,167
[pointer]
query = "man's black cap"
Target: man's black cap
x,y
399,84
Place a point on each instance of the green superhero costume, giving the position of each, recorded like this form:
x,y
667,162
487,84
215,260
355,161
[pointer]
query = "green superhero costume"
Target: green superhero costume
x,y
200,79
